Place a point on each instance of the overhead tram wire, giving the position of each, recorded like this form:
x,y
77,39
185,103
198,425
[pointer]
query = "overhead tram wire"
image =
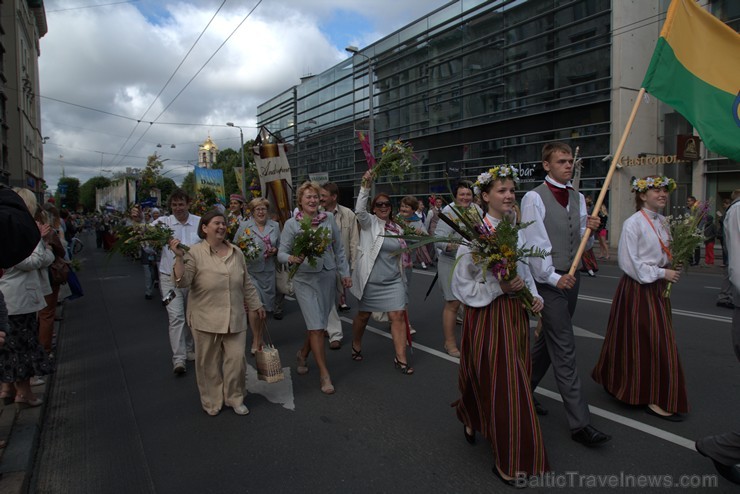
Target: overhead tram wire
x,y
198,72
162,90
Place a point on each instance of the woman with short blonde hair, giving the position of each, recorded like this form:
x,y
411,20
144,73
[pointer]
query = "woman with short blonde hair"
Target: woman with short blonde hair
x,y
314,284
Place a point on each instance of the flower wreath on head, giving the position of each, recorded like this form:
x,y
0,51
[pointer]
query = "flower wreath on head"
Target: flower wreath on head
x,y
498,172
642,185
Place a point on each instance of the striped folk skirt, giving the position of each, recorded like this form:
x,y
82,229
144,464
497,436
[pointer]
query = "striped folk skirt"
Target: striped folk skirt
x,y
639,361
495,390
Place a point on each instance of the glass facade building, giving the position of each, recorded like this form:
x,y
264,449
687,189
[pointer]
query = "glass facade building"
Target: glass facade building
x,y
472,84
477,83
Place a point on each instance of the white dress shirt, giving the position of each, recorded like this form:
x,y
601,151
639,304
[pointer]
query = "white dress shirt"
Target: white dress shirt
x,y
533,209
472,288
640,254
187,233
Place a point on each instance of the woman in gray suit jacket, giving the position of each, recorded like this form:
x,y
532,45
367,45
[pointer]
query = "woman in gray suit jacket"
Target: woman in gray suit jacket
x,y
266,234
315,286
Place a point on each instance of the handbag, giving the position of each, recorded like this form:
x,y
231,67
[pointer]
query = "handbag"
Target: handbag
x,y
269,368
283,283
59,271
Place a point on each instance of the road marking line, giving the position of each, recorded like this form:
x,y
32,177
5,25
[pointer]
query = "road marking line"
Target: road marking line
x,y
678,312
648,429
713,287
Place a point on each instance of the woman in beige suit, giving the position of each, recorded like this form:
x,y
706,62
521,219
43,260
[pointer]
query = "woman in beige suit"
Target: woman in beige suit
x,y
220,291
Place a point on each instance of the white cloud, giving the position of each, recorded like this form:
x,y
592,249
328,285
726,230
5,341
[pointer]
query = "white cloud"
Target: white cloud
x,y
117,58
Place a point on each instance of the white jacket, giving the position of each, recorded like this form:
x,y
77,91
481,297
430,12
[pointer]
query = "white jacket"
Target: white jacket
x,y
372,230
22,284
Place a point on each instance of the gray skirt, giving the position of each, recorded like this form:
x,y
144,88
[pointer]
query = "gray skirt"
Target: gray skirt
x,y
264,282
444,269
316,295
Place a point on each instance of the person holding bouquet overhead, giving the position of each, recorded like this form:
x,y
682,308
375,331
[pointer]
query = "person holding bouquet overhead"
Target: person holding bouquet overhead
x,y
265,234
495,365
220,291
378,280
639,361
312,244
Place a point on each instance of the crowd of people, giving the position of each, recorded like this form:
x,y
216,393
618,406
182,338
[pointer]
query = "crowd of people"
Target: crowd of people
x,y
214,295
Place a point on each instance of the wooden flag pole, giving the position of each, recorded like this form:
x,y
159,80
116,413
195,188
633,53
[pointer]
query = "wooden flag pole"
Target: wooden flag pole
x,y
607,181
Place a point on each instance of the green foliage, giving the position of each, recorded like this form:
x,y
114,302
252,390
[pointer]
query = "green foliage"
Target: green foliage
x,y
165,185
72,195
188,184
87,191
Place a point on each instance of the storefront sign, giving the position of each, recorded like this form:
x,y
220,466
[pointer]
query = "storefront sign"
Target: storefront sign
x,y
687,147
650,160
527,173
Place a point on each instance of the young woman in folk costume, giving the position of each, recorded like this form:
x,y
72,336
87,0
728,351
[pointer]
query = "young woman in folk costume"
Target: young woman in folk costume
x,y
639,361
495,365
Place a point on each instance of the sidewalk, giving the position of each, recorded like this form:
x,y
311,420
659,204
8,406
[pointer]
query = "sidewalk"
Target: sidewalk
x,y
21,429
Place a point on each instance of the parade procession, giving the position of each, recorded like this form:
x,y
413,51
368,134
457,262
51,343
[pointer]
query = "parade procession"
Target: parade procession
x,y
497,248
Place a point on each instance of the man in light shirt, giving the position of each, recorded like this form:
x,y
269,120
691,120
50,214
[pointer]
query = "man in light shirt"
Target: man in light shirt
x,y
559,219
185,228
347,222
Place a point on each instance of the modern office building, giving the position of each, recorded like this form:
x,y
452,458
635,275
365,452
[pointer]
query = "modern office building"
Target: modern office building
x,y
476,83
22,24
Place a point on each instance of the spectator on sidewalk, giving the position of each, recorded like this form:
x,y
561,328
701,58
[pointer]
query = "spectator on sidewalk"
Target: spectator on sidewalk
x,y
710,235
23,287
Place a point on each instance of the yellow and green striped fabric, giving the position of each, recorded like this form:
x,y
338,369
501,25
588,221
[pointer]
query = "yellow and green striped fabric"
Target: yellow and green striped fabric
x,y
696,69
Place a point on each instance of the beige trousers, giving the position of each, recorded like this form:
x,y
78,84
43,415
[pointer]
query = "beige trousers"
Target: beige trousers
x,y
220,368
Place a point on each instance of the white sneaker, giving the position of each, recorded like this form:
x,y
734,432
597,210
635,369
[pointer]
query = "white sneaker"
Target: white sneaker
x,y
411,329
241,410
423,265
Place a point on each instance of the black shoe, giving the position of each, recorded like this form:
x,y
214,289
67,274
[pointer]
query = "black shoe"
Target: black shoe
x,y
277,315
674,417
728,305
148,297
344,308
730,472
589,436
539,408
470,438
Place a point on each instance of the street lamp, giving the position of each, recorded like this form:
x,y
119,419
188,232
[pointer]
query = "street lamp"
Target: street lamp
x,y
241,149
371,93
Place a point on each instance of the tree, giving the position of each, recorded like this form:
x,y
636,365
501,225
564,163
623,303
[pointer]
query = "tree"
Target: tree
x,y
165,185
228,159
188,184
68,193
149,176
87,191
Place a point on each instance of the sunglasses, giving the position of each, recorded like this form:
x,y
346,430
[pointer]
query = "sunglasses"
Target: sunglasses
x,y
384,204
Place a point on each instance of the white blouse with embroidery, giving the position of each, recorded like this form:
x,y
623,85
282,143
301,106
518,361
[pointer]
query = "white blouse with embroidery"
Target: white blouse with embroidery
x,y
640,254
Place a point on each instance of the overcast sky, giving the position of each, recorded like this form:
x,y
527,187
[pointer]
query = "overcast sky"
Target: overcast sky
x,y
115,57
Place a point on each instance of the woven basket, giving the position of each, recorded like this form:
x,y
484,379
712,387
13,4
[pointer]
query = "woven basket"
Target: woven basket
x,y
269,368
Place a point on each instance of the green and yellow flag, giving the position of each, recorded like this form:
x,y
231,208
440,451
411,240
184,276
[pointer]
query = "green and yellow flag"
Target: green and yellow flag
x,y
696,69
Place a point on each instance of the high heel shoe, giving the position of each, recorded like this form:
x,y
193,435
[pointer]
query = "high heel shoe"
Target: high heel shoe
x,y
23,402
470,438
452,351
326,386
403,367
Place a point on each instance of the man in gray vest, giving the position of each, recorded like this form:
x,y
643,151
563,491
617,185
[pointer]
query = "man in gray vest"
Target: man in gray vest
x,y
724,449
559,218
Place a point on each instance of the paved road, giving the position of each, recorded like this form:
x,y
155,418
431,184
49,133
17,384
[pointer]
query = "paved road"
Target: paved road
x,y
118,420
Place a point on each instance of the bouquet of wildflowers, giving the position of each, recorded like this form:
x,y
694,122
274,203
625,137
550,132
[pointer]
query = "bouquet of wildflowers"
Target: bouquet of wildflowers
x,y
232,226
130,238
205,200
496,249
405,224
686,235
310,242
248,246
396,159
